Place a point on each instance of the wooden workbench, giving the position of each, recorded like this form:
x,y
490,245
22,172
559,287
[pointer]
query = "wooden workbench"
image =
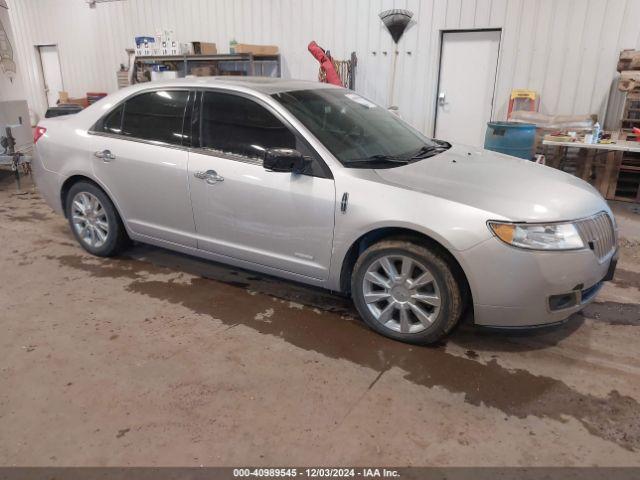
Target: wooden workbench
x,y
602,175
622,146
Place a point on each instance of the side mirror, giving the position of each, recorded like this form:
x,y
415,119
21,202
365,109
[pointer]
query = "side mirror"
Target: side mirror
x,y
284,160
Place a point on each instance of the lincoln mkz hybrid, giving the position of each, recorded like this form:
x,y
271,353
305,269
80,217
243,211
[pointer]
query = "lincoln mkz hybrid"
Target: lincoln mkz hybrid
x,y
317,184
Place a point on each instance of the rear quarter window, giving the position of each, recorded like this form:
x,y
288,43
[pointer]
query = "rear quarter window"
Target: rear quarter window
x,y
112,122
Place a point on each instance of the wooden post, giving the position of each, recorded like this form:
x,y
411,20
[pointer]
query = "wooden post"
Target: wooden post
x,y
613,176
599,168
558,154
586,160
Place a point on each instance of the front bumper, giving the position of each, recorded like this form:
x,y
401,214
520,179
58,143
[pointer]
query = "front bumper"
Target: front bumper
x,y
513,287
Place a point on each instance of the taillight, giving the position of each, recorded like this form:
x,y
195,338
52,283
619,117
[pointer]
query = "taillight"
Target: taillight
x,y
37,133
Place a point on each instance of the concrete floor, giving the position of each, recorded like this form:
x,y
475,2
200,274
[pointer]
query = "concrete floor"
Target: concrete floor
x,y
155,358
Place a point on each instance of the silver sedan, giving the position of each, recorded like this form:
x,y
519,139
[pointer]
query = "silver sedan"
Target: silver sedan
x,y
317,184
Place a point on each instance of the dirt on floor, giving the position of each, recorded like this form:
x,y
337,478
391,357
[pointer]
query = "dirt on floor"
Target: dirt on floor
x,y
156,358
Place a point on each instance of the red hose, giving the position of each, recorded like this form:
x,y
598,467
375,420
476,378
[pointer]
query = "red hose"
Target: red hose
x,y
325,63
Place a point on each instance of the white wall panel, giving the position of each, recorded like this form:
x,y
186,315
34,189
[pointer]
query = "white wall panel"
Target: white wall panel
x,y
11,84
564,49
482,13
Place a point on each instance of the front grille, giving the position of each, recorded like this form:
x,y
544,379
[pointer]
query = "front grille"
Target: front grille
x,y
598,233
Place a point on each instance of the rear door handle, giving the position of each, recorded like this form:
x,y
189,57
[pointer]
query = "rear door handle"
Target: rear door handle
x,y
105,155
210,176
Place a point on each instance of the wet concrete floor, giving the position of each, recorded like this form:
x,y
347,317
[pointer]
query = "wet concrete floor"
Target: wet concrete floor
x,y
156,358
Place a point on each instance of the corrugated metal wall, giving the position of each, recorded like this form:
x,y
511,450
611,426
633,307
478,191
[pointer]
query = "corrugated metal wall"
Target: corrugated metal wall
x,y
11,83
565,49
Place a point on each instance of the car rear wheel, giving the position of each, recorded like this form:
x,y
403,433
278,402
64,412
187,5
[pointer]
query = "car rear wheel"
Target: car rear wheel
x,y
406,291
94,220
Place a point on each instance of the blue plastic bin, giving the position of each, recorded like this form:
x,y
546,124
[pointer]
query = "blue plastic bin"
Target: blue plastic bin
x,y
510,138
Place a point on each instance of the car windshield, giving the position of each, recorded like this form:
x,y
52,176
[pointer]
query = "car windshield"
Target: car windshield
x,y
359,133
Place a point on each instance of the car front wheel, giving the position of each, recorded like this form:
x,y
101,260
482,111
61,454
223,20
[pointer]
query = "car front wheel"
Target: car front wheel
x,y
406,291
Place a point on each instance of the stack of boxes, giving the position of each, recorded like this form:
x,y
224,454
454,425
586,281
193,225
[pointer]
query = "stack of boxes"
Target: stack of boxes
x,y
162,43
144,46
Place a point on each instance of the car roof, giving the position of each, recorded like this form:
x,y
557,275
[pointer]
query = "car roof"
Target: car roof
x,y
265,85
258,85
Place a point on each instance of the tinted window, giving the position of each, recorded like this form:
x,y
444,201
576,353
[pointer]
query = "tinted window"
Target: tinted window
x,y
234,124
112,123
156,116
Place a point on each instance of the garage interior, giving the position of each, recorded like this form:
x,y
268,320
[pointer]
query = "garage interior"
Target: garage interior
x,y
155,358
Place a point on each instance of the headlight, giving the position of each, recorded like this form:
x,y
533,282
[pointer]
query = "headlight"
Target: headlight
x,y
540,236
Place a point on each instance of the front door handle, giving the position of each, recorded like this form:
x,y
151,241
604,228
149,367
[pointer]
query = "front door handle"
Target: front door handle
x,y
105,155
210,176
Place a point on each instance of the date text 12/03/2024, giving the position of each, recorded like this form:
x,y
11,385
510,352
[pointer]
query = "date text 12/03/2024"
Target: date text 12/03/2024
x,y
316,472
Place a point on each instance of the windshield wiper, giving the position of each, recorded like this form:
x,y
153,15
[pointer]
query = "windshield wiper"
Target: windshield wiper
x,y
376,160
430,150
423,152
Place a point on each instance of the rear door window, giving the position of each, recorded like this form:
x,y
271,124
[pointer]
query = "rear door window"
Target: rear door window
x,y
156,116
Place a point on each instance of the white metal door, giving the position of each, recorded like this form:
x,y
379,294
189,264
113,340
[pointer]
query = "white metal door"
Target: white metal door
x,y
51,73
468,66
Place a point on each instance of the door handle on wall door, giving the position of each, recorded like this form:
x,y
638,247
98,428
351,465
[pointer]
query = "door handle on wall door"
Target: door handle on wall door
x,y
210,176
441,99
105,155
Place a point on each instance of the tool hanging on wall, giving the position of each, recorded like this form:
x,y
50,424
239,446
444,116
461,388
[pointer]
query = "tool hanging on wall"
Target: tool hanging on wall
x,y
346,71
396,22
326,63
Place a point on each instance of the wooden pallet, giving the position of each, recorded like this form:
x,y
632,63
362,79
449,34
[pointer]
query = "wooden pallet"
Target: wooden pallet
x,y
629,60
627,187
627,178
630,115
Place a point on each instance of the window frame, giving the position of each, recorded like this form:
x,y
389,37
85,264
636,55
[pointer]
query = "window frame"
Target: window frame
x,y
94,131
196,125
196,94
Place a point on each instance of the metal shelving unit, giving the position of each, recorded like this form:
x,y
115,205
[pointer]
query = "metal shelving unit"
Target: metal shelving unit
x,y
242,64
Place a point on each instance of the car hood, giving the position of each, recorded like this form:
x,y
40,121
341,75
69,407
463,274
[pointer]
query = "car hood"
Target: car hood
x,y
506,187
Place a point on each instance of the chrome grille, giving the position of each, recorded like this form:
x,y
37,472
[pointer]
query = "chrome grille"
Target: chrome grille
x,y
598,233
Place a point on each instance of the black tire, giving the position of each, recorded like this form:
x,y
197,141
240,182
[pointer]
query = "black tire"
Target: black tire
x,y
451,299
116,238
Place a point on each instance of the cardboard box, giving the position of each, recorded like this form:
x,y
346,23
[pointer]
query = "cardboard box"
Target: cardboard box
x,y
164,75
204,71
168,44
256,49
145,45
204,48
65,100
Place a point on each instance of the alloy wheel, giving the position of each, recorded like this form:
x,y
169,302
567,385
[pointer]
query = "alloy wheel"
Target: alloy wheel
x,y
89,219
401,293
